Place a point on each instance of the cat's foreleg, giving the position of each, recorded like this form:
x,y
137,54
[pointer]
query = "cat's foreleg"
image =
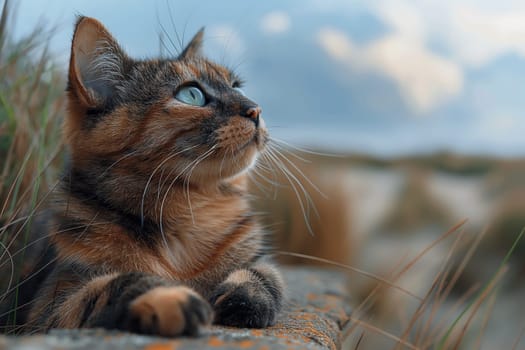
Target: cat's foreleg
x,y
135,302
250,297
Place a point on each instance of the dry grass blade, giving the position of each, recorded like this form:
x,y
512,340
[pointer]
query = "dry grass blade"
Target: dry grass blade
x,y
518,338
359,340
448,315
354,269
383,332
445,337
407,267
485,293
435,285
12,274
486,319
442,291
31,110
458,272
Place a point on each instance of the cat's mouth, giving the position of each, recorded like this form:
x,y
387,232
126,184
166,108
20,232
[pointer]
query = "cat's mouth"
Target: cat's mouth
x,y
241,134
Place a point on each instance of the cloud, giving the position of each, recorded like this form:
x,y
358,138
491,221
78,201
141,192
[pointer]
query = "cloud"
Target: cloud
x,y
479,36
425,79
336,44
473,32
404,18
276,22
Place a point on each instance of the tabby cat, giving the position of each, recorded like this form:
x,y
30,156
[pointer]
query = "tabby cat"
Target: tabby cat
x,y
151,229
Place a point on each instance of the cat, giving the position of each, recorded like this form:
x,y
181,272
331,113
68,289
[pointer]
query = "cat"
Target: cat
x,y
151,229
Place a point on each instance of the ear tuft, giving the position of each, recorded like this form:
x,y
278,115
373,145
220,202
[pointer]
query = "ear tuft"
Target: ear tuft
x,y
96,64
194,48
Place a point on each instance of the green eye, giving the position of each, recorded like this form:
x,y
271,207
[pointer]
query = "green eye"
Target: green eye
x,y
191,95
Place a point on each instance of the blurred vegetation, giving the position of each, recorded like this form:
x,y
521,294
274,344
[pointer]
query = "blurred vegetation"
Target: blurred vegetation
x,y
505,178
445,162
301,221
507,221
416,208
31,108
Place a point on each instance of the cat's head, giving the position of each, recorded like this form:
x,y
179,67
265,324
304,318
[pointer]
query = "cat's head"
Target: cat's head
x,y
175,116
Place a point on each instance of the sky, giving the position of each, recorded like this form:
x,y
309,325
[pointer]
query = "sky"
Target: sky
x,y
387,77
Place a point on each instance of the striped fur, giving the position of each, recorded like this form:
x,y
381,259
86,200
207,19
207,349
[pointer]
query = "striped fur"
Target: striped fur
x,y
151,229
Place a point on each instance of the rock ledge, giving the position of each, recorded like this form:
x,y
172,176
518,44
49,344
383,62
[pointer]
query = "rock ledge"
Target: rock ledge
x,y
317,310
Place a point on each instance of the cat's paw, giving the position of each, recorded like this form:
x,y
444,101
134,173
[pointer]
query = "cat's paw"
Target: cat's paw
x,y
243,305
169,311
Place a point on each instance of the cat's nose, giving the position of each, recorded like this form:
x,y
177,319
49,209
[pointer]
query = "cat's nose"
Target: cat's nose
x,y
253,113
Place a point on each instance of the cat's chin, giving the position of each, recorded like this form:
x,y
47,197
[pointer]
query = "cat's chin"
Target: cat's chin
x,y
235,151
245,157
226,165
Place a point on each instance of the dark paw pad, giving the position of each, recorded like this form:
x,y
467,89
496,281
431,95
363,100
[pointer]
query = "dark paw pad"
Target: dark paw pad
x,y
244,305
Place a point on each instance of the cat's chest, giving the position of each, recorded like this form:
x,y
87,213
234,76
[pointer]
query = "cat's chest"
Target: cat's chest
x,y
208,236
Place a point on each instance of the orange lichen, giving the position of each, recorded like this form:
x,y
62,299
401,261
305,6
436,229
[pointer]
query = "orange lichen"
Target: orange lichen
x,y
312,296
171,345
215,341
257,332
245,344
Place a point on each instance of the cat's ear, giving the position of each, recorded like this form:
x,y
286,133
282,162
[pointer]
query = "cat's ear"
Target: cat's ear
x,y
194,48
96,64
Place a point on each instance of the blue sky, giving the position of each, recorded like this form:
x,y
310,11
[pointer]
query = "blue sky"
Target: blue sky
x,y
388,76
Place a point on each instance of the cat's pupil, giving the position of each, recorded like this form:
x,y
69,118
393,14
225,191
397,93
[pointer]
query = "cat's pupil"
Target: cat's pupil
x,y
191,95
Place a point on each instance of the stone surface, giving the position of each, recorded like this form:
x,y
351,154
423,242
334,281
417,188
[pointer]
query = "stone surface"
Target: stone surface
x,y
316,311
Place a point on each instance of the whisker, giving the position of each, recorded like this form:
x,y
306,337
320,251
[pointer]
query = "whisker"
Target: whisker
x,y
222,164
309,200
151,177
302,174
184,31
187,183
261,187
165,32
181,42
116,162
161,212
324,154
258,171
164,46
266,166
272,170
288,150
286,173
